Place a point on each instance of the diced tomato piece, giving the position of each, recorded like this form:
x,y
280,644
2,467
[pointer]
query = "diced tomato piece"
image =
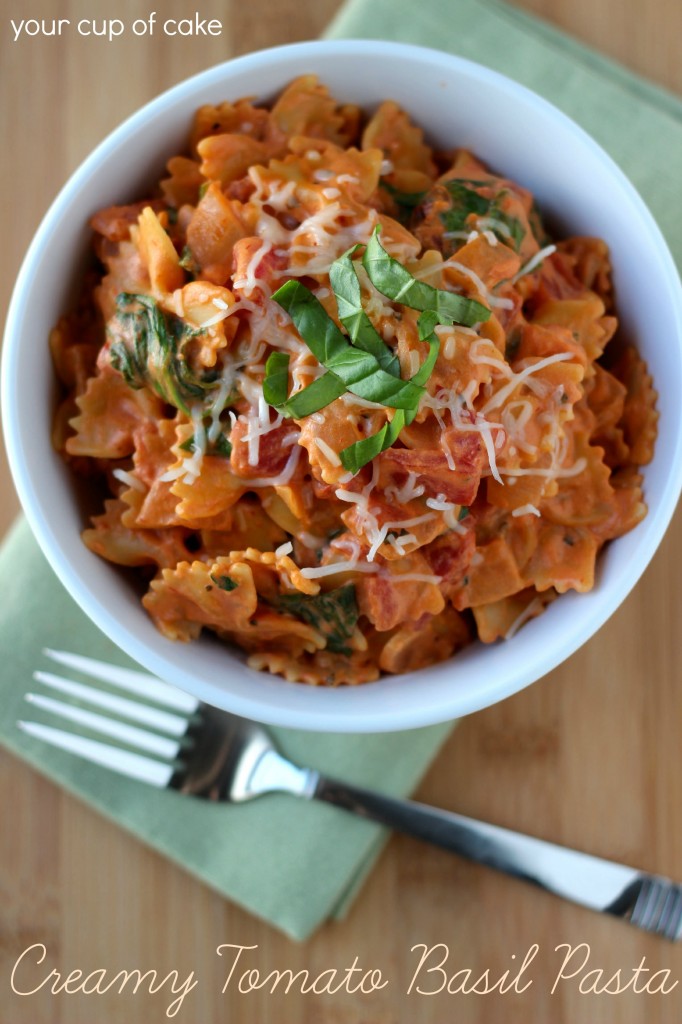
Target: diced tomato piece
x,y
458,485
273,454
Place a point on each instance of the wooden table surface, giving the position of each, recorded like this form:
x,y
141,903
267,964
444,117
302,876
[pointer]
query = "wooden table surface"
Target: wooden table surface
x,y
588,757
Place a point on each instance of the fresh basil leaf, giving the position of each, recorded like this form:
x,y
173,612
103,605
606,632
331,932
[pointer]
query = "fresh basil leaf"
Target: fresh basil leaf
x,y
357,455
426,323
363,334
358,370
537,226
311,320
222,446
392,279
334,614
150,352
318,394
276,381
406,202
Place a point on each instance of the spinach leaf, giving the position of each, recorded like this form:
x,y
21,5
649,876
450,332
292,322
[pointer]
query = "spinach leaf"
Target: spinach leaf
x,y
335,614
465,201
222,446
150,352
406,199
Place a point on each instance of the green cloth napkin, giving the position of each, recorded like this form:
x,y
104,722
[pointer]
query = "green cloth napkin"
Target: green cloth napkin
x,y
637,123
293,863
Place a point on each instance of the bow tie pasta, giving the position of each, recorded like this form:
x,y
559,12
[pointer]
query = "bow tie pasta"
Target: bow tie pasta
x,y
344,400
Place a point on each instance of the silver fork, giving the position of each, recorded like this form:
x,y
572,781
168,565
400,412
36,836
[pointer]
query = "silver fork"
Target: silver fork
x,y
201,751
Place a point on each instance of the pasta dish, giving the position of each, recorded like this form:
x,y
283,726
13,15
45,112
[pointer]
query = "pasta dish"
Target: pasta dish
x,y
340,398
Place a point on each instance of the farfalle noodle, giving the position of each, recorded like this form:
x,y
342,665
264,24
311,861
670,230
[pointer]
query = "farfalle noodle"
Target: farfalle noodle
x,y
520,460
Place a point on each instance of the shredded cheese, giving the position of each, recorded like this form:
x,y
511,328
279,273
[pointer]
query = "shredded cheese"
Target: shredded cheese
x,y
487,224
528,612
313,572
328,452
518,378
127,478
284,477
534,261
408,492
525,510
493,301
250,282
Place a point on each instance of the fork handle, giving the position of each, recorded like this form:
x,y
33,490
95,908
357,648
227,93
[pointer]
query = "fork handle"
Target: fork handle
x,y
652,903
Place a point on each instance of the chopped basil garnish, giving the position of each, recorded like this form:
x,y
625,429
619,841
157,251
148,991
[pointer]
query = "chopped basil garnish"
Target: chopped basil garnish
x,y
394,281
361,362
276,382
358,370
335,614
462,514
150,353
363,333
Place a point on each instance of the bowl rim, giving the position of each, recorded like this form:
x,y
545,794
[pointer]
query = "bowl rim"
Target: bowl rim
x,y
318,715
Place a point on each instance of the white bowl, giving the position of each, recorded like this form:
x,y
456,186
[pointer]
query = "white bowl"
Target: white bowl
x,y
459,104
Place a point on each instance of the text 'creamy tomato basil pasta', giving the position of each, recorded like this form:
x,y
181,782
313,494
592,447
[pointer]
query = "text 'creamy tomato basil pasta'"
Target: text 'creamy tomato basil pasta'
x,y
349,404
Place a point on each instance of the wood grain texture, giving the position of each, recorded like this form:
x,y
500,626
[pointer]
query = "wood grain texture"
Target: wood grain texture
x,y
589,756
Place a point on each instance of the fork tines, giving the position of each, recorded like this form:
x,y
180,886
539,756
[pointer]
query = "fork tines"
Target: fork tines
x,y
109,719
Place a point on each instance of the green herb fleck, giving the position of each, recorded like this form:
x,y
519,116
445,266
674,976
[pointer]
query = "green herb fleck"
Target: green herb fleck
x,y
221,447
513,344
225,582
406,202
462,514
188,262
